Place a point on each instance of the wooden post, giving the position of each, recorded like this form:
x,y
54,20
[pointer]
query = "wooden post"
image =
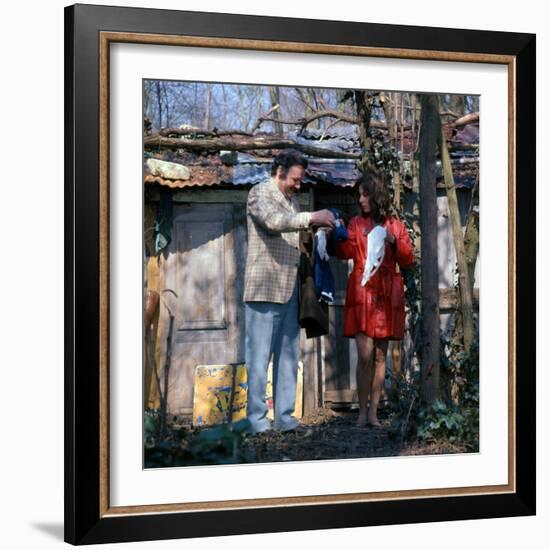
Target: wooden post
x,y
415,175
471,235
310,382
466,302
429,370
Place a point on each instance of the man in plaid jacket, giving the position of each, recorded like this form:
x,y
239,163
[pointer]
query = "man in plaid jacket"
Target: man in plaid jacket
x,y
271,289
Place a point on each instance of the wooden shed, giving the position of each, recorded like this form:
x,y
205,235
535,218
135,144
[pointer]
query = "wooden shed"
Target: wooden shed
x,y
197,202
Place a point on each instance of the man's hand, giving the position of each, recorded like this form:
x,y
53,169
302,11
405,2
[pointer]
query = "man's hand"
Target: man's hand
x,y
322,218
390,239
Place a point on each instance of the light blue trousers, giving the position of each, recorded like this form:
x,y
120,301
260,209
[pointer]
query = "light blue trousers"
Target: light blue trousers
x,y
272,328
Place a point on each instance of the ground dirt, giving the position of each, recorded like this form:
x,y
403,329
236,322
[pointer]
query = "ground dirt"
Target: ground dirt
x,y
329,434
323,435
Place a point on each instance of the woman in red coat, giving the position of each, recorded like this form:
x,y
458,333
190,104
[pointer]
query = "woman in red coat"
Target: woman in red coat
x,y
374,313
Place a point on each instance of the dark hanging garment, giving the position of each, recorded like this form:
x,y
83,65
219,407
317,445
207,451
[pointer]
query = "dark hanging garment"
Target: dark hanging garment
x,y
163,223
324,281
313,313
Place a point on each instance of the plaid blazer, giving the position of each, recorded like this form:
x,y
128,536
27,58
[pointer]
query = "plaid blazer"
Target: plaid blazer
x,y
273,256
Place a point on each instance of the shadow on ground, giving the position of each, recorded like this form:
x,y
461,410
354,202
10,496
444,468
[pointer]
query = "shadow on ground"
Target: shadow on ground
x,y
324,435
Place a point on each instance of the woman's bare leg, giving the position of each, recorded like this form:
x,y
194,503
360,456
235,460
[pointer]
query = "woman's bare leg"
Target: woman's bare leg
x,y
380,350
364,373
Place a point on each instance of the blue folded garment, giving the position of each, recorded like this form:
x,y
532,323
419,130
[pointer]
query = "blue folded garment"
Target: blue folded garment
x,y
324,282
340,233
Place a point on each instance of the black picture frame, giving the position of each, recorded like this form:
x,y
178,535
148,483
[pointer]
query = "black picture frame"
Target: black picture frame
x,y
85,519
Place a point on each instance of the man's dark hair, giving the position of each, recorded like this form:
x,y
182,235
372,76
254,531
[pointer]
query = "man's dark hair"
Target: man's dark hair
x,y
286,159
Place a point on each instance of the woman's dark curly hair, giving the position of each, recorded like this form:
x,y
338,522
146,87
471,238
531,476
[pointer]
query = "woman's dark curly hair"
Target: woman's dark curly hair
x,y
373,185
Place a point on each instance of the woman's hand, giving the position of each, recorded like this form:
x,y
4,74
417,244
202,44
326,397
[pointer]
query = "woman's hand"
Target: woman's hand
x,y
390,238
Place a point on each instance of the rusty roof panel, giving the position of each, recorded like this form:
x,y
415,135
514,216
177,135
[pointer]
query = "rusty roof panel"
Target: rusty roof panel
x,y
200,176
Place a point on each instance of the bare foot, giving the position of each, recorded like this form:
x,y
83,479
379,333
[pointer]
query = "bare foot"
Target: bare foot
x,y
374,422
361,420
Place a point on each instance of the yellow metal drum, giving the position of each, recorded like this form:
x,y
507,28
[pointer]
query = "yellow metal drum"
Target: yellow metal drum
x,y
220,394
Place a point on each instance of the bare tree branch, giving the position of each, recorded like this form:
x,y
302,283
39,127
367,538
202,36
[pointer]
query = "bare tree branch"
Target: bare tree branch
x,y
266,117
243,143
303,122
301,97
342,117
193,130
466,119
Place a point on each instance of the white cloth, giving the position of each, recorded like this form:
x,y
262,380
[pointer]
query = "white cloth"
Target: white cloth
x,y
376,246
322,244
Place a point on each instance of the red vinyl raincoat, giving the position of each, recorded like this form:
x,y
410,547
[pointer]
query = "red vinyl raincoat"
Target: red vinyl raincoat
x,y
378,308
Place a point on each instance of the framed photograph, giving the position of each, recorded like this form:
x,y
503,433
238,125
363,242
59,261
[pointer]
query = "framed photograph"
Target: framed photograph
x,y
299,274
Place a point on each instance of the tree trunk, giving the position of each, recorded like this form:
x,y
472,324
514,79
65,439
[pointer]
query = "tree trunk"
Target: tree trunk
x,y
400,173
429,388
415,175
159,103
412,343
224,94
313,101
465,288
147,87
363,102
208,102
275,99
195,105
471,246
244,122
390,116
167,119
457,104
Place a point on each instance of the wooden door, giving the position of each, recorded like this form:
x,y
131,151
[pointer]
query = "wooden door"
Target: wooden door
x,y
201,283
340,352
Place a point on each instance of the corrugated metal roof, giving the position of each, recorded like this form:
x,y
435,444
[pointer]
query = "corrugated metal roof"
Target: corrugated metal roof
x,y
336,172
237,168
347,132
249,173
331,171
333,139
